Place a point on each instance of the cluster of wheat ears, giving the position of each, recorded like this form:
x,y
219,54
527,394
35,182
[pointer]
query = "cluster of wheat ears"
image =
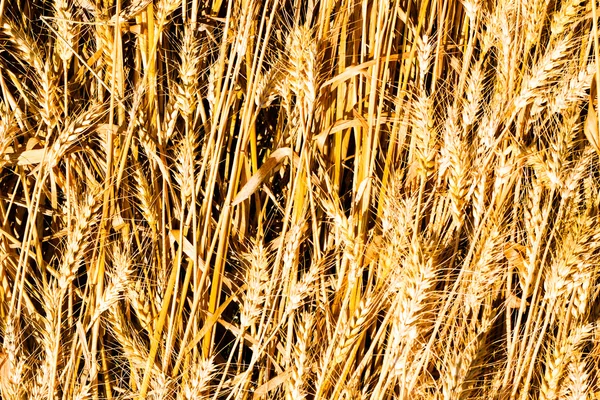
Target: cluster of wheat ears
x,y
286,199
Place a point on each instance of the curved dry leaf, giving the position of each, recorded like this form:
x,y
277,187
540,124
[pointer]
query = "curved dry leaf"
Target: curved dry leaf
x,y
361,69
263,172
27,157
513,301
591,122
336,127
515,254
272,384
360,192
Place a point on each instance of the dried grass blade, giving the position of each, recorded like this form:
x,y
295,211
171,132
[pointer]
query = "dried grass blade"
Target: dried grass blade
x,y
261,175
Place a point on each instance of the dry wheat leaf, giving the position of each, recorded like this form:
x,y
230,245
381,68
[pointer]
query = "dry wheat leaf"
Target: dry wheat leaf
x,y
591,122
270,385
27,157
188,247
211,319
263,172
336,127
361,119
251,341
513,301
106,129
360,192
360,69
514,253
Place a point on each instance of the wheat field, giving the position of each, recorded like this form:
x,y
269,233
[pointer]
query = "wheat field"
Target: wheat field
x,y
299,199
